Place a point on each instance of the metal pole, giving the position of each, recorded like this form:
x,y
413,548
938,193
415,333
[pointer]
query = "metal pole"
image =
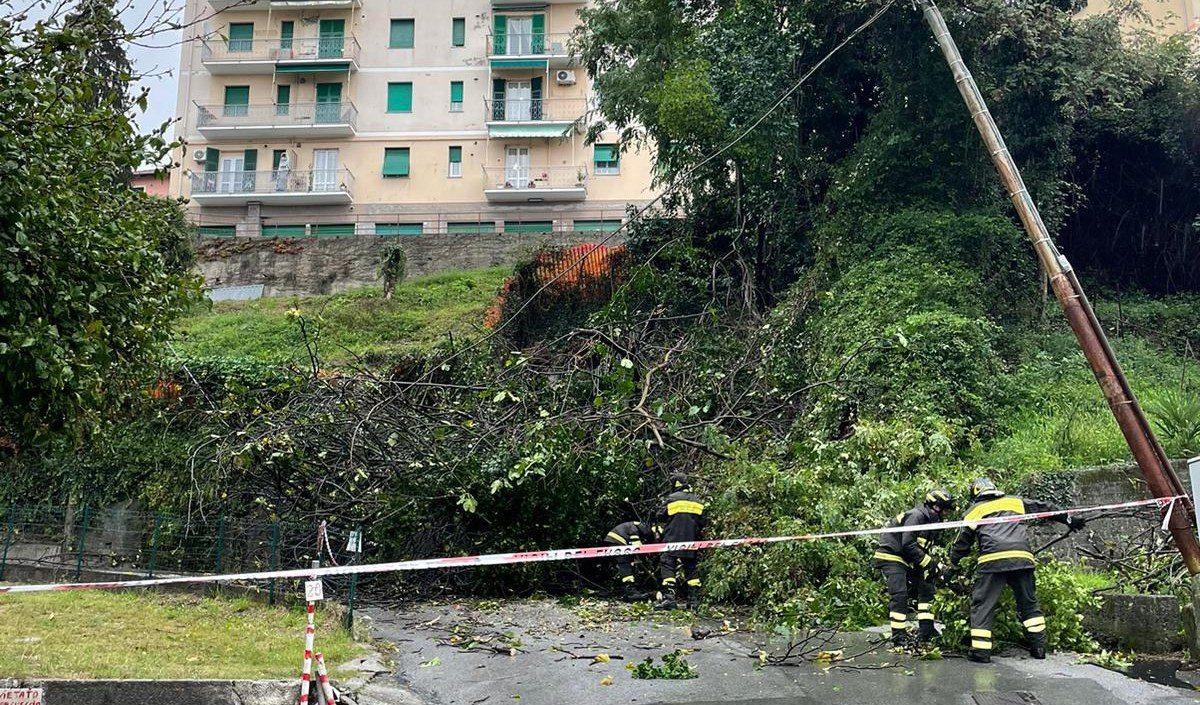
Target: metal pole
x,y
274,558
1159,474
87,515
8,534
154,543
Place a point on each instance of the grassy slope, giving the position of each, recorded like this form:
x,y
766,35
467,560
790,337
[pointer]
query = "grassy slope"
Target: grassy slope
x,y
101,634
357,323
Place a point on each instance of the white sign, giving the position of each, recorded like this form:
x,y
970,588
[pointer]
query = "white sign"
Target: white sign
x,y
354,545
20,696
314,591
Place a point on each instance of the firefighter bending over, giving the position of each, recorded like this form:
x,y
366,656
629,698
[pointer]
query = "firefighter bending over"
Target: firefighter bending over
x,y
683,520
909,569
630,533
1004,559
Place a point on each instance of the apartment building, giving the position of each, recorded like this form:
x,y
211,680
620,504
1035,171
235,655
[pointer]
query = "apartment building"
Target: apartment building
x,y
1163,17
393,117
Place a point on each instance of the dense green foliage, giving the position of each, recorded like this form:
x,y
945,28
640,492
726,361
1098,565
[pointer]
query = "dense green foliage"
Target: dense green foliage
x,y
92,274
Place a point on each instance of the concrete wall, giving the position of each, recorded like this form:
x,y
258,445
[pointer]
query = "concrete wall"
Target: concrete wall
x,y
302,266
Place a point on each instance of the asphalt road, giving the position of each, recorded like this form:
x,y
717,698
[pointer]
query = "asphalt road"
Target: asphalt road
x,y
543,653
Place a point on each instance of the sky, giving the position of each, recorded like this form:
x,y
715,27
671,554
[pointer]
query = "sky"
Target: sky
x,y
158,59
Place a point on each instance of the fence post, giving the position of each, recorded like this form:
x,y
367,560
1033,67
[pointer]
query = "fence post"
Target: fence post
x,y
8,534
87,515
353,587
154,542
220,544
274,558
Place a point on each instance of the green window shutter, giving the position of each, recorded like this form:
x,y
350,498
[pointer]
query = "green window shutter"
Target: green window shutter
x,y
535,226
250,160
283,231
456,155
212,159
498,89
216,230
471,228
458,32
275,157
395,161
399,98
237,95
241,36
499,32
456,91
399,229
605,153
287,30
535,95
597,226
283,96
403,34
333,230
539,34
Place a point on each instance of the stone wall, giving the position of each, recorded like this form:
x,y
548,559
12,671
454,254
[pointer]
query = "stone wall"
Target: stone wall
x,y
312,265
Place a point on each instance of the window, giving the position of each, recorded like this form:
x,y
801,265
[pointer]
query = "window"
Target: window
x,y
455,170
403,32
138,189
399,98
287,30
283,96
283,231
530,226
472,228
333,230
241,36
456,96
215,230
597,226
607,160
458,32
237,101
395,162
382,229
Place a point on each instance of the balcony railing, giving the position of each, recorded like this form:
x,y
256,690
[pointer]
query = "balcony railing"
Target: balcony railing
x,y
276,115
535,177
534,110
518,44
287,49
284,181
242,5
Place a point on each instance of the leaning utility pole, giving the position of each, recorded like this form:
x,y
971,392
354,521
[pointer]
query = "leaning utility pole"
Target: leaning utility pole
x,y
1151,458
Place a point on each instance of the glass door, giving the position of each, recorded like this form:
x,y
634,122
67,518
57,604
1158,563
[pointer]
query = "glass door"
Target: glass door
x,y
516,167
325,170
332,40
518,97
229,178
520,36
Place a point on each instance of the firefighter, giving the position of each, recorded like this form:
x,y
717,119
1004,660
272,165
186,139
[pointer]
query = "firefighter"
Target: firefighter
x,y
630,533
1004,559
908,567
683,520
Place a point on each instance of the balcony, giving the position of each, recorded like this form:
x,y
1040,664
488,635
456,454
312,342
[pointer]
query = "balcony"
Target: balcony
x,y
526,117
323,187
528,50
262,5
268,55
537,184
268,121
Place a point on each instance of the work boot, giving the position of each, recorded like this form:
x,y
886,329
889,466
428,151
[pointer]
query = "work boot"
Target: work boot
x,y
1037,651
629,593
693,598
978,656
926,632
666,603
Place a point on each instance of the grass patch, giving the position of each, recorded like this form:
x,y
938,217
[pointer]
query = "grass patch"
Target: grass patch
x,y
356,325
99,634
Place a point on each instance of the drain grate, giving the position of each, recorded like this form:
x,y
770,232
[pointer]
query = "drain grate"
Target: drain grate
x,y
1017,697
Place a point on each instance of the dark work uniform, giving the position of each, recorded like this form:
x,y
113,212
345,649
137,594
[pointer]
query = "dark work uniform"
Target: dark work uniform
x,y
630,533
1004,559
903,557
683,520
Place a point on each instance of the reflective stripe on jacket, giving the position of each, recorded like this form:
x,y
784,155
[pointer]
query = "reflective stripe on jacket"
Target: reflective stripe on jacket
x,y
1002,546
630,533
682,516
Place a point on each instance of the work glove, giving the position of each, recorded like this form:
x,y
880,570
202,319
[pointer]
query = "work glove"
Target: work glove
x,y
1075,523
937,571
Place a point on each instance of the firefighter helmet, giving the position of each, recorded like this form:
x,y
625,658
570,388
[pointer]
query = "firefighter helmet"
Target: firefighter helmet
x,y
680,481
940,497
983,487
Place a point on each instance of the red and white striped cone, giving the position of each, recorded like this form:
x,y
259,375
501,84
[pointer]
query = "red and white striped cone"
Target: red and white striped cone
x,y
309,634
326,686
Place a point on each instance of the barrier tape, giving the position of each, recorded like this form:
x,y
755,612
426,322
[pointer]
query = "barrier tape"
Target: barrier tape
x,y
569,554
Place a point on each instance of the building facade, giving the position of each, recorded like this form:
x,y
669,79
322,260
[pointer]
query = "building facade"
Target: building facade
x,y
1163,17
393,117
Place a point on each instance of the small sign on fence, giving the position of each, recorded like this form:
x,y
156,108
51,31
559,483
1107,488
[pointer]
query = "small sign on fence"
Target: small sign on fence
x,y
354,545
314,591
20,696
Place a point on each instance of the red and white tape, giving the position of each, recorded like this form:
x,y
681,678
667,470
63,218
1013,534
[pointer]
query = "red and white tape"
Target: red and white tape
x,y
310,631
569,554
